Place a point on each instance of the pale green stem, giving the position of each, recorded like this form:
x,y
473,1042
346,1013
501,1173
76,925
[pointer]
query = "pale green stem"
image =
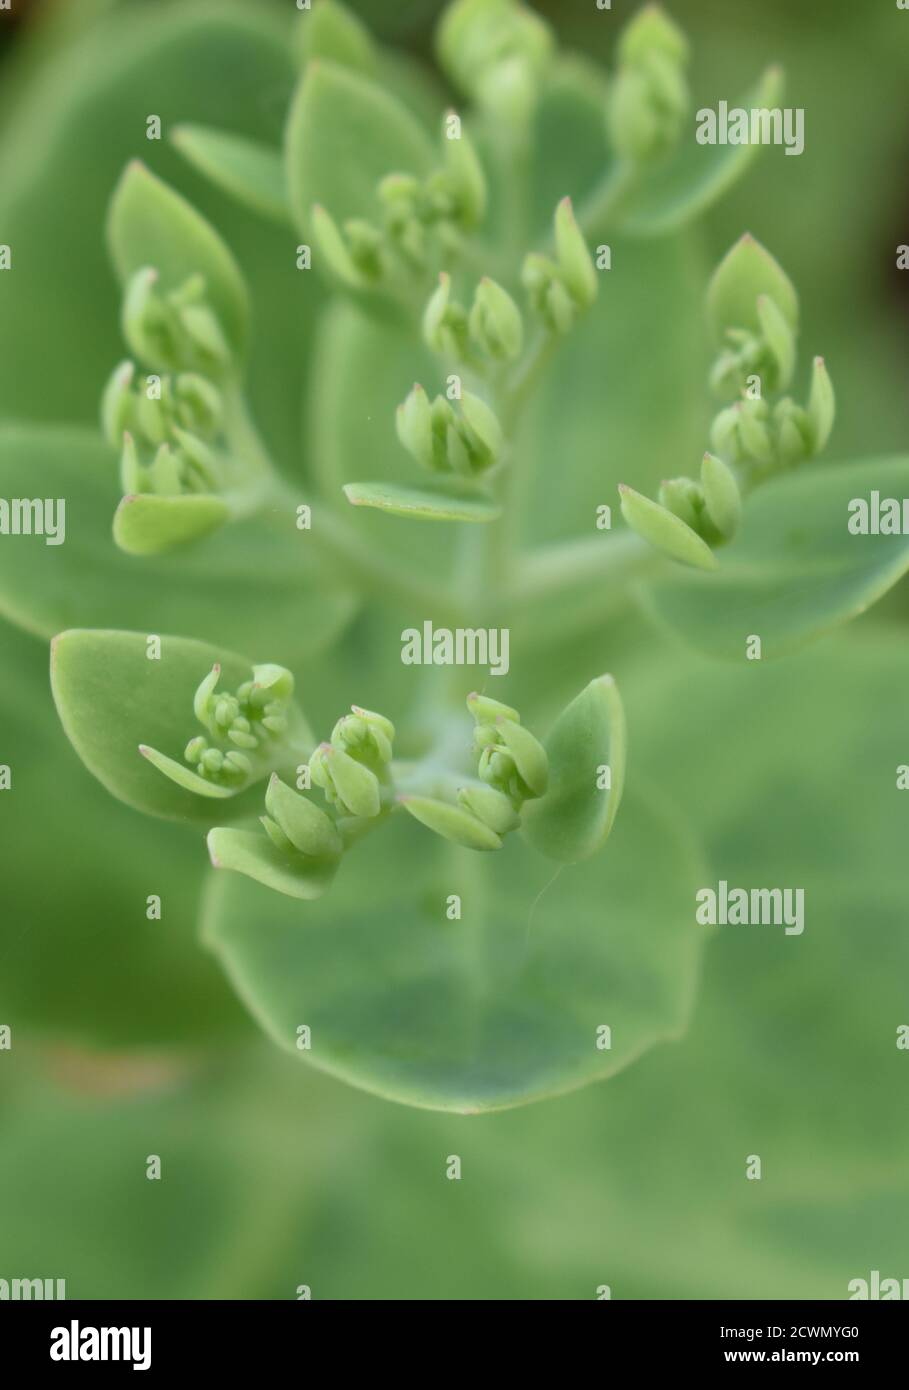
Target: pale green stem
x,y
600,207
330,535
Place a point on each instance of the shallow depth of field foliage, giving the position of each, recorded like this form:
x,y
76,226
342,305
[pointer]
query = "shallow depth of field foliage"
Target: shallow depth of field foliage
x,y
431,1037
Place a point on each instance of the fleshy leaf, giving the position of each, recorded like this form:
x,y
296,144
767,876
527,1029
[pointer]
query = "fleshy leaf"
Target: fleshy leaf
x,y
574,819
664,530
146,524
699,175
260,588
184,776
250,853
330,30
250,172
451,822
746,272
112,698
431,502
795,570
149,224
494,1010
344,134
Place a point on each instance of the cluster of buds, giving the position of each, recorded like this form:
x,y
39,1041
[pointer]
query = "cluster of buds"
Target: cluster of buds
x,y
513,768
649,98
691,517
296,826
768,437
243,730
165,430
494,326
415,215
248,721
355,765
497,51
560,290
175,331
753,308
466,441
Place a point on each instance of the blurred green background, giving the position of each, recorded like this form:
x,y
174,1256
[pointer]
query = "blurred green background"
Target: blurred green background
x,y
127,1039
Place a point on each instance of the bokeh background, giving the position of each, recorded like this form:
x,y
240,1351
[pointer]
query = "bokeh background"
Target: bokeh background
x,y
127,1038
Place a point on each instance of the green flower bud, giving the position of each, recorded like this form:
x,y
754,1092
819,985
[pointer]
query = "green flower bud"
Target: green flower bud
x,y
464,180
164,474
649,96
747,272
495,50
484,436
575,261
722,496
490,806
652,31
559,293
684,499
414,424
194,749
309,830
451,822
445,324
445,442
276,835
178,331
199,406
528,753
486,710
271,682
779,335
367,737
117,404
794,431
665,531
821,406
347,784
353,271
496,324
203,700
132,475
755,438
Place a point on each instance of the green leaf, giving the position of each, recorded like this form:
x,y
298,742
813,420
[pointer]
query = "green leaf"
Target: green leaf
x,y
149,224
665,531
495,1010
344,134
451,822
699,175
66,145
794,571
745,273
145,524
574,819
73,974
432,502
257,586
112,699
250,172
252,854
331,31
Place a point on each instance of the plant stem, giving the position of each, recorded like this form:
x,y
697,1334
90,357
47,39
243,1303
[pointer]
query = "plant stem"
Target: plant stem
x,y
351,557
600,207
